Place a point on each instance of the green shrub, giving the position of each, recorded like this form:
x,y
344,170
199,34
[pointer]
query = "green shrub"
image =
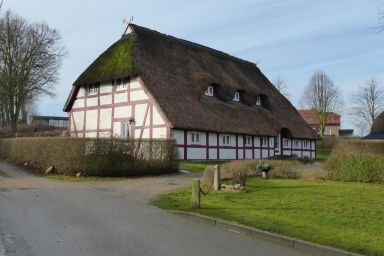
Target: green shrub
x,y
357,161
93,157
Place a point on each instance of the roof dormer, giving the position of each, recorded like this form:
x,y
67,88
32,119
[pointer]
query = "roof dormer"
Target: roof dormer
x,y
258,101
236,98
209,91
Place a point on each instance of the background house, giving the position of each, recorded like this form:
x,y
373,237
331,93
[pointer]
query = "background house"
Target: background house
x,y
60,122
332,126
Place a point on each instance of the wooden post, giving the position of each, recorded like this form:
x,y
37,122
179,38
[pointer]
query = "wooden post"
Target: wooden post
x,y
195,194
217,178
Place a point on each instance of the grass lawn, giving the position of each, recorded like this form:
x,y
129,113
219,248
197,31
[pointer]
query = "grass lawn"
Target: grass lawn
x,y
83,179
197,166
322,154
344,215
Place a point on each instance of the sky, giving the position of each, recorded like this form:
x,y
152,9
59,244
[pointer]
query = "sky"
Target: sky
x,y
289,39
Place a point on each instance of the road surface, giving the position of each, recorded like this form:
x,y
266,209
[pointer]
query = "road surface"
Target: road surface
x,y
42,217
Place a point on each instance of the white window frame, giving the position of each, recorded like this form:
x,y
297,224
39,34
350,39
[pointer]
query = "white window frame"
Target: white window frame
x,y
327,131
248,140
121,84
226,139
125,130
195,138
305,144
285,143
258,101
264,141
236,97
209,91
93,89
296,143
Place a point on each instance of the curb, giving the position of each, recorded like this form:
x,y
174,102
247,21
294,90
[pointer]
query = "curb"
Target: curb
x,y
314,249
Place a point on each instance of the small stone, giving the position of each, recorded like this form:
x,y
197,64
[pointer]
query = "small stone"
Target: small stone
x,y
78,174
237,186
223,185
25,164
49,170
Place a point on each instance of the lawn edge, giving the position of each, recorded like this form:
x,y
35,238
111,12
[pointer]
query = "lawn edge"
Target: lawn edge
x,y
313,248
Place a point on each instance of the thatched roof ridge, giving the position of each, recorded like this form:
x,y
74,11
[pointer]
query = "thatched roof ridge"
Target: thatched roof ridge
x,y
176,72
377,130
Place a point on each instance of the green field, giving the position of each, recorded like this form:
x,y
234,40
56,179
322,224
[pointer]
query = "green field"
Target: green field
x,y
344,215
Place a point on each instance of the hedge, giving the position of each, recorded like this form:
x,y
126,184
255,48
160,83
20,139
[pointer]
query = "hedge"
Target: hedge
x,y
357,161
93,157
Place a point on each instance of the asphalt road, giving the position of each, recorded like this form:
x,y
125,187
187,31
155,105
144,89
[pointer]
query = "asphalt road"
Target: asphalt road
x,y
41,217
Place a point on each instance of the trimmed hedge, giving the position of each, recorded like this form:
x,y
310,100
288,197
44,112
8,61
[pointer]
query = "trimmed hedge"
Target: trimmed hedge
x,y
93,157
357,161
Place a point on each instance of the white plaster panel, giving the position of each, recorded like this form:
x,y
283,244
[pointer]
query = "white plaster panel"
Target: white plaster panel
x,y
265,153
248,154
213,139
134,83
313,143
240,154
92,102
106,87
271,142
79,103
139,113
271,153
145,133
123,112
106,99
297,152
212,153
91,120
196,153
227,153
78,121
90,134
105,118
121,97
104,134
286,152
257,153
160,133
81,92
138,95
157,119
178,135
239,140
306,154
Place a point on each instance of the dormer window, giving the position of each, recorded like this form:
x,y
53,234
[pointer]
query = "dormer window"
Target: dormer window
x,y
121,84
258,101
237,96
209,91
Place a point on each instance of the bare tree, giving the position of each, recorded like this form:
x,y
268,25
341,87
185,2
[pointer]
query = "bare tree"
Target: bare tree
x,y
368,102
30,58
323,97
281,86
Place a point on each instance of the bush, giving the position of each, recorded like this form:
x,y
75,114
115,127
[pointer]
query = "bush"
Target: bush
x,y
357,161
93,157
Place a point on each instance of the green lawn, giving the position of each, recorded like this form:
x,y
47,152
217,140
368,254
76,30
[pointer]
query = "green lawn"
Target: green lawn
x,y
344,215
83,179
197,166
322,154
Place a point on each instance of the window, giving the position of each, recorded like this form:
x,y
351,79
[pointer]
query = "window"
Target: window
x,y
124,130
237,96
258,101
93,89
121,84
296,143
195,137
305,144
209,91
248,140
327,131
264,141
226,139
286,142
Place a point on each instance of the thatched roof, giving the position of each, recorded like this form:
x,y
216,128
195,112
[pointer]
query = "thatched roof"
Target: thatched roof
x,y
176,72
377,130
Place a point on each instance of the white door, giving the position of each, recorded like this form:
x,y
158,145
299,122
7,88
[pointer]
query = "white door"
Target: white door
x,y
124,130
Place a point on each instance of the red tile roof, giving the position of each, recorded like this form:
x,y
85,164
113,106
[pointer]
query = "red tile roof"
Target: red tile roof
x,y
309,116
